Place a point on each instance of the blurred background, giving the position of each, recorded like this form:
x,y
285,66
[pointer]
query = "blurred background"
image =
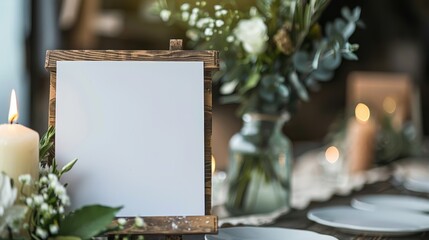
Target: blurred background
x,y
395,41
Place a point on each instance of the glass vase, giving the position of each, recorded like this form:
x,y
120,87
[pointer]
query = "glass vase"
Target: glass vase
x,y
260,166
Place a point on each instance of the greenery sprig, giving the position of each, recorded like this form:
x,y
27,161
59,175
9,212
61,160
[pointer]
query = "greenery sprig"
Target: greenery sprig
x,y
272,51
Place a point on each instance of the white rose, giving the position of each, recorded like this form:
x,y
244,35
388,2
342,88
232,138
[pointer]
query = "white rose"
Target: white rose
x,y
252,33
7,193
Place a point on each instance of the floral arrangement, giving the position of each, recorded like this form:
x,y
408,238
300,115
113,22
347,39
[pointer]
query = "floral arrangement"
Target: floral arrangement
x,y
37,210
272,51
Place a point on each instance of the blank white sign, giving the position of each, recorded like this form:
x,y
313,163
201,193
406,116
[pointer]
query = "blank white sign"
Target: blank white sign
x,y
137,129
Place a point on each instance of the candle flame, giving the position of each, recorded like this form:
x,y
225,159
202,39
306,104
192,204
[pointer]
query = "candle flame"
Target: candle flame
x,y
332,154
389,105
213,164
13,109
362,112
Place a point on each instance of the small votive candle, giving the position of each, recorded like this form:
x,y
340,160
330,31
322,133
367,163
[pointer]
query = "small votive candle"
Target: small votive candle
x,y
333,166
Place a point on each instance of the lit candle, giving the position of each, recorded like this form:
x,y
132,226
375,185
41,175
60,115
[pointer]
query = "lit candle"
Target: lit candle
x,y
360,139
396,112
19,147
333,165
332,154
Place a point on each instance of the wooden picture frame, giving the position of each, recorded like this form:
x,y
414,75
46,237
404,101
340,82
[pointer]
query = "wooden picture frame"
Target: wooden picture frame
x,y
176,226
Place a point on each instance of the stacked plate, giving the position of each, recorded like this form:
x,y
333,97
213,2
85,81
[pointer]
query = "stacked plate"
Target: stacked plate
x,y
266,233
413,174
377,214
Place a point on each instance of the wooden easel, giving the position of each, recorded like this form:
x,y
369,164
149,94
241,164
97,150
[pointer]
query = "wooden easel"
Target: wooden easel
x,y
171,227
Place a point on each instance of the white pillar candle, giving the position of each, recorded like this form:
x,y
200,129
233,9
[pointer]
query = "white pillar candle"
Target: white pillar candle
x,y
19,147
361,139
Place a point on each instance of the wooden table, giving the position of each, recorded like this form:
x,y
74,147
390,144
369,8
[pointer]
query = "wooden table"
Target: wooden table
x,y
297,219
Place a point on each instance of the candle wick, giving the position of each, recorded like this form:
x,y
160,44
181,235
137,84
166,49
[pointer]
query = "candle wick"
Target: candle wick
x,y
12,120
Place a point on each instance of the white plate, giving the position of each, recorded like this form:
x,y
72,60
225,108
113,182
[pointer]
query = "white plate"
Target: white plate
x,y
396,202
386,222
266,233
417,184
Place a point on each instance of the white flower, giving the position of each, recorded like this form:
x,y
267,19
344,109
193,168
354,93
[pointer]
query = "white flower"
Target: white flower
x,y
7,193
41,233
219,23
122,221
43,179
29,201
253,34
38,200
52,178
59,189
193,19
185,16
230,39
185,7
192,34
139,222
202,22
253,11
44,207
208,32
65,199
60,209
53,229
24,179
165,15
217,7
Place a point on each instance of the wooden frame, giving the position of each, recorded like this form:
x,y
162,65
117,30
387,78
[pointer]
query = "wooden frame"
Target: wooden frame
x,y
172,227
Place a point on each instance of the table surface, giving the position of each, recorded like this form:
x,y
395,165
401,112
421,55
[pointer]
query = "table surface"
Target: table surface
x,y
297,218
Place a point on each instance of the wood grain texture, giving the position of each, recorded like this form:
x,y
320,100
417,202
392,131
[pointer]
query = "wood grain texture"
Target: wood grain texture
x,y
210,58
175,225
176,44
156,225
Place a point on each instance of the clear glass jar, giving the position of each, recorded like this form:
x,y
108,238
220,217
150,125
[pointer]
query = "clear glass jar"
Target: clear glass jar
x,y
260,166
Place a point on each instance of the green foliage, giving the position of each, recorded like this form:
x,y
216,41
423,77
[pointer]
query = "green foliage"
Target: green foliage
x,y
87,222
46,147
288,46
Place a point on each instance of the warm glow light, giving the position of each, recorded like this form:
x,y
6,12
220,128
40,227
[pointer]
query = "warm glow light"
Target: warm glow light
x,y
389,105
213,164
13,109
332,154
362,112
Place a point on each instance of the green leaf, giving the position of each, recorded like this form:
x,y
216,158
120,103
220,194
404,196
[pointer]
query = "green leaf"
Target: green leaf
x,y
66,238
283,91
331,61
356,13
300,88
347,14
88,221
267,95
322,74
320,49
68,167
251,82
301,61
307,16
349,56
